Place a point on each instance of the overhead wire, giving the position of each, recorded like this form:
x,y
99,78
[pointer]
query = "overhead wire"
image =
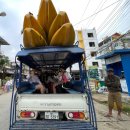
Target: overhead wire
x,y
96,13
85,8
111,43
112,17
90,22
126,28
121,15
114,29
107,18
119,23
115,21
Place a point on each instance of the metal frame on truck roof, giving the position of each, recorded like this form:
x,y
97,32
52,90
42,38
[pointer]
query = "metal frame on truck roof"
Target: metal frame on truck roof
x,y
50,56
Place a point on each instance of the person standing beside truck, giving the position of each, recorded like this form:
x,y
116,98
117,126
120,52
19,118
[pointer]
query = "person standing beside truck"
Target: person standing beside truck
x,y
114,93
35,82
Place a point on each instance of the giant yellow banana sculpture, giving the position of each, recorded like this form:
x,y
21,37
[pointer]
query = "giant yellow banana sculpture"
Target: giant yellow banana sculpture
x,y
49,28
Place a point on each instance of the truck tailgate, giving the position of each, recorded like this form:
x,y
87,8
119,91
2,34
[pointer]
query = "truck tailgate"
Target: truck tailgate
x,y
52,102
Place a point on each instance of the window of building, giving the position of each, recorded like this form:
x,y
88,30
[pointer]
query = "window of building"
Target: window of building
x,y
95,63
90,34
92,44
93,53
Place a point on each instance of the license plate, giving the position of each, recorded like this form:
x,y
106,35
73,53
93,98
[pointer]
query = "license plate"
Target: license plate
x,y
52,115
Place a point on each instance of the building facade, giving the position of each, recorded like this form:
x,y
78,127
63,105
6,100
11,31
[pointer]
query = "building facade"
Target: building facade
x,y
87,39
117,56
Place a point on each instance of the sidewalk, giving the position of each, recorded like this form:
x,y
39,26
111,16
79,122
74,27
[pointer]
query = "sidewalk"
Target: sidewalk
x,y
1,91
103,98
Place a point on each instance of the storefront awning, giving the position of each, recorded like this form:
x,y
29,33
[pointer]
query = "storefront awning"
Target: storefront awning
x,y
3,42
114,53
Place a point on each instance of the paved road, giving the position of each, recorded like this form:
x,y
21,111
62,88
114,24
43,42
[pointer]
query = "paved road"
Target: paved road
x,y
103,122
110,123
4,110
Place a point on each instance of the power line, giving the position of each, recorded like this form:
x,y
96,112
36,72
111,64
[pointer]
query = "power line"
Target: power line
x,y
114,22
108,45
126,29
85,9
113,19
120,26
97,12
117,25
110,14
90,22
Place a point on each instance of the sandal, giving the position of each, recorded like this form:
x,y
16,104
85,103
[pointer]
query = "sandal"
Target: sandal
x,y
108,115
119,118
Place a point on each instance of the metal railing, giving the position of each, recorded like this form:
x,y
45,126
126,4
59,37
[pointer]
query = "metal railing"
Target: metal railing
x,y
122,42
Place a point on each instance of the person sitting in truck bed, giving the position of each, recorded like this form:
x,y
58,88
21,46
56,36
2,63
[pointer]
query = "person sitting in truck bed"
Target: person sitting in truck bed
x,y
53,81
35,82
64,78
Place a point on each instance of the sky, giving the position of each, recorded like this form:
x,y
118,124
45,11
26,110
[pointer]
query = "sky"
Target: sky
x,y
77,10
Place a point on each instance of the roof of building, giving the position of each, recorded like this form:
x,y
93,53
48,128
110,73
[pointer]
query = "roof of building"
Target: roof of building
x,y
106,39
111,50
114,53
3,42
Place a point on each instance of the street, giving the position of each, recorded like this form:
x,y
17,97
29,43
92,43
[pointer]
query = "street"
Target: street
x,y
4,110
103,122
110,123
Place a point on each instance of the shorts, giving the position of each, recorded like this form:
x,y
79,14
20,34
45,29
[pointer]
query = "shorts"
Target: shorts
x,y
115,97
33,85
68,85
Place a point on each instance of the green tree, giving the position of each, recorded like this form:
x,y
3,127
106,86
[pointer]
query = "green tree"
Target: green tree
x,y
4,61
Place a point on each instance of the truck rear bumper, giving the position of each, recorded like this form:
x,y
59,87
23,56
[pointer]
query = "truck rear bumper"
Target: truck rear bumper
x,y
52,125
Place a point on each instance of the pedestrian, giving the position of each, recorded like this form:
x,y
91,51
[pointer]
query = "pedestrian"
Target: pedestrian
x,y
54,81
114,93
7,85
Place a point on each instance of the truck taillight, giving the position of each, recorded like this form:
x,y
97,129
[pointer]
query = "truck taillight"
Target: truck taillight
x,y
76,115
27,114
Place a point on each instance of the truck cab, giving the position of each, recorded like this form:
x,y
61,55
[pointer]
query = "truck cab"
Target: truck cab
x,y
71,108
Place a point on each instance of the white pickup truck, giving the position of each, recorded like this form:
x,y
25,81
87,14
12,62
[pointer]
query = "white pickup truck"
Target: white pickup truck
x,y
71,108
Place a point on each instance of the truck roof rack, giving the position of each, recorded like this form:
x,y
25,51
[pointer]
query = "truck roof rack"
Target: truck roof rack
x,y
50,56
